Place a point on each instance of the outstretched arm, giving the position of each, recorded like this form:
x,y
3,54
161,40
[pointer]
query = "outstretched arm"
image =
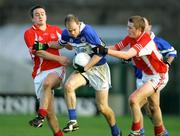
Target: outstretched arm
x,y
123,54
56,45
48,56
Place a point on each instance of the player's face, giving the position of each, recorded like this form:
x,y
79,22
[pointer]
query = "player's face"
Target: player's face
x,y
132,31
39,17
73,28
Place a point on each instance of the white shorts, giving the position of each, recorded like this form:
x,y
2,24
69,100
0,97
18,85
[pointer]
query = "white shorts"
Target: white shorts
x,y
158,81
39,79
139,82
99,77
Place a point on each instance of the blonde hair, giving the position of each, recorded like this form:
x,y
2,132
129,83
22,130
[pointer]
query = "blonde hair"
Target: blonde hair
x,y
138,22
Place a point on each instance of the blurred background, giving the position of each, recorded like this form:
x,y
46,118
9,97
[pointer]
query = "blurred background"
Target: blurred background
x,y
109,18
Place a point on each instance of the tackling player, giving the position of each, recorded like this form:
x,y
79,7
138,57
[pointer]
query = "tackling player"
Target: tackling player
x,y
168,52
145,56
82,38
48,71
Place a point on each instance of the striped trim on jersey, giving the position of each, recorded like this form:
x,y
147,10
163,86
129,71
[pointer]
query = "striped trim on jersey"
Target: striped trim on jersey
x,y
148,58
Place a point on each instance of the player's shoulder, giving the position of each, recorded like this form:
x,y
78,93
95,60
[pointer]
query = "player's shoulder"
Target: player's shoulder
x,y
160,40
65,32
87,28
144,37
29,31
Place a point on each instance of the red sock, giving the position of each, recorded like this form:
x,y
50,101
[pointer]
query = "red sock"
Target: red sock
x,y
42,112
136,126
158,130
59,133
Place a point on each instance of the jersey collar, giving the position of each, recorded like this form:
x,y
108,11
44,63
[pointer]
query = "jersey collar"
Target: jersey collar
x,y
35,27
82,26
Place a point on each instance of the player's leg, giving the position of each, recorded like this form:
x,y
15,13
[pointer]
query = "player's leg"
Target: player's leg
x,y
142,130
103,107
135,100
158,82
51,81
156,115
52,119
74,81
139,83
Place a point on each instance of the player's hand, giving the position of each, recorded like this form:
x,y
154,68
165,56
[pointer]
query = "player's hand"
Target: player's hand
x,y
39,46
100,50
123,61
78,68
64,60
166,62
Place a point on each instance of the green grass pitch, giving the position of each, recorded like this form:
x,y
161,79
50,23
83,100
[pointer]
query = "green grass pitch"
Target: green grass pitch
x,y
17,125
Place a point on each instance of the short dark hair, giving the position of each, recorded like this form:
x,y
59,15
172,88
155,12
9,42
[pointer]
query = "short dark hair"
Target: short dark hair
x,y
69,18
35,7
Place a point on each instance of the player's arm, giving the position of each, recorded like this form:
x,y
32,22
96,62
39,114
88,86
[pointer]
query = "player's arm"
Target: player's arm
x,y
58,45
122,54
48,56
169,60
94,60
112,47
119,54
166,49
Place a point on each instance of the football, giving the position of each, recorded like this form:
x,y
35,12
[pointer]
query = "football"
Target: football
x,y
81,59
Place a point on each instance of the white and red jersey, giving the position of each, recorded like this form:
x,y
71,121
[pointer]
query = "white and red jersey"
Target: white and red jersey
x,y
52,33
148,58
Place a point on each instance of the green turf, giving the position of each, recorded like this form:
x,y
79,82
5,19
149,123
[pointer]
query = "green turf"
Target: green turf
x,y
17,125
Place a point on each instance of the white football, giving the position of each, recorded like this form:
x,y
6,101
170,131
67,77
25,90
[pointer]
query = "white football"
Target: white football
x,y
81,59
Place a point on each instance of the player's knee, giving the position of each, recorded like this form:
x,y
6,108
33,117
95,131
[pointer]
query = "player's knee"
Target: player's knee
x,y
68,88
153,108
132,100
103,108
47,84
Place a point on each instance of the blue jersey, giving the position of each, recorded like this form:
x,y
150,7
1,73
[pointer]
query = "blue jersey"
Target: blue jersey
x,y
164,48
86,40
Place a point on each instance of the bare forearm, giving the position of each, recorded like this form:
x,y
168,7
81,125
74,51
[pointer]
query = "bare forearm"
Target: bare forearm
x,y
170,59
123,54
118,54
94,60
47,56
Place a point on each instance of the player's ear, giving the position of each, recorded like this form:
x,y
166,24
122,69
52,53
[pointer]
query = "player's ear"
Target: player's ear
x,y
150,27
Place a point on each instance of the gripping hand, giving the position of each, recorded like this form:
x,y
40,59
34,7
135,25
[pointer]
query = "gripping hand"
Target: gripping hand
x,y
39,46
78,68
100,50
123,61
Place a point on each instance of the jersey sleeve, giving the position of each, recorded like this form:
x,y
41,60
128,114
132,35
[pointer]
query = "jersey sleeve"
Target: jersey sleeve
x,y
122,43
165,48
91,36
64,38
58,32
29,38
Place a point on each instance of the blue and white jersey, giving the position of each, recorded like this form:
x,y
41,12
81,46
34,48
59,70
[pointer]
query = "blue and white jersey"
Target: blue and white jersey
x,y
164,48
86,40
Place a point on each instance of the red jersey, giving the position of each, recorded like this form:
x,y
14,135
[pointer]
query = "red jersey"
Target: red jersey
x,y
52,33
148,59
